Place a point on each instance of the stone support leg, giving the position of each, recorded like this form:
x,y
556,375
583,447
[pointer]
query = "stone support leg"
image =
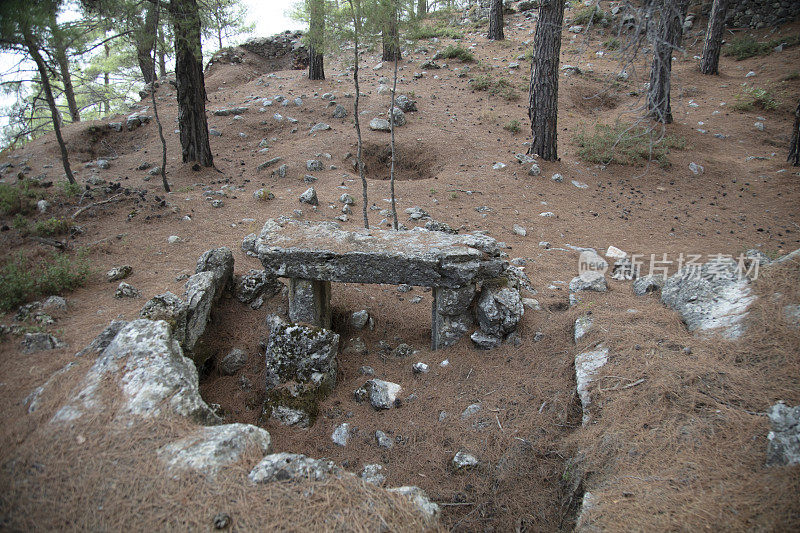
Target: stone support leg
x,y
310,302
452,317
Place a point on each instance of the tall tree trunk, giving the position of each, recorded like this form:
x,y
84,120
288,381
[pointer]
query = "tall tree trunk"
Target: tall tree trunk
x,y
389,35
316,66
145,42
496,21
33,49
670,30
162,55
713,42
191,83
106,82
794,147
422,8
543,105
60,53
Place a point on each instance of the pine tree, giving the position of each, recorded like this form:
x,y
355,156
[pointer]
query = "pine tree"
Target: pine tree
x,y
496,21
713,41
316,10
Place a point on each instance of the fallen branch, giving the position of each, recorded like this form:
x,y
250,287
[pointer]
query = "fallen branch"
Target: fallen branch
x,y
52,242
115,198
628,386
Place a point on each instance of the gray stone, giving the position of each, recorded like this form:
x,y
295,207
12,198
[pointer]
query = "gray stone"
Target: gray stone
x,y
230,111
218,261
310,302
292,467
341,434
290,417
557,178
339,111
359,319
451,315
320,126
582,326
233,362
419,368
589,281
470,410
435,225
217,203
587,365
309,197
103,164
208,450
125,290
519,230
169,308
118,273
102,341
281,171
399,117
200,290
714,296
417,257
784,435
420,500
40,342
405,103
649,283
534,170
267,164
383,439
42,206
417,213
141,373
485,342
255,285
301,365
403,350
499,310
381,394
464,461
372,474
379,124
314,165
346,199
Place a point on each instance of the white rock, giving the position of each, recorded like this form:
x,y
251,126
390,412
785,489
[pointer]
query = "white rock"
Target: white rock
x,y
586,366
615,253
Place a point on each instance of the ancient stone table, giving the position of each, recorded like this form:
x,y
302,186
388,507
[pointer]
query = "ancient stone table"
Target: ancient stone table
x,y
313,256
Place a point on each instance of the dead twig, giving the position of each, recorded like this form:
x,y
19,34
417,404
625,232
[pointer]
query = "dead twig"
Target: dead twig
x,y
115,198
51,242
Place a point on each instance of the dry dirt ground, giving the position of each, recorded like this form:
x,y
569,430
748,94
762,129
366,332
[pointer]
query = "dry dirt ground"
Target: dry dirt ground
x,y
682,450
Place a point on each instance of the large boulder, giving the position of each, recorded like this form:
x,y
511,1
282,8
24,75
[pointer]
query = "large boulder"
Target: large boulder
x,y
256,286
714,296
301,369
142,373
220,262
587,364
208,450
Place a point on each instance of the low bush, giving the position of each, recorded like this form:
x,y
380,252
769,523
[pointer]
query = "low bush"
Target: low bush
x,y
500,87
457,52
18,198
590,13
750,98
626,145
22,279
513,126
747,46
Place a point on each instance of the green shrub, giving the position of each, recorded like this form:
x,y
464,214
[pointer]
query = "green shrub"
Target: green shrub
x,y
439,31
747,46
22,280
52,226
755,97
500,87
513,126
626,145
18,198
527,5
457,52
70,189
21,223
593,13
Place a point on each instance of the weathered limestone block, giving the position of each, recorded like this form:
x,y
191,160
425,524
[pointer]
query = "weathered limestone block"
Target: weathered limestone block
x,y
220,262
451,316
712,297
499,310
149,374
208,450
294,467
172,310
301,370
418,257
310,302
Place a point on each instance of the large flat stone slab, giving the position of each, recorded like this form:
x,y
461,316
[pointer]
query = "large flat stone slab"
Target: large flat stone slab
x,y
324,251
